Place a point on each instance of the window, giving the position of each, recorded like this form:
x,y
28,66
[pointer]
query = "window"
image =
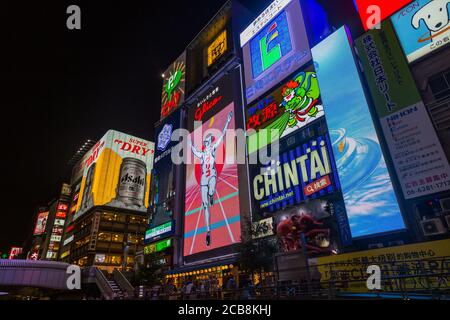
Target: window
x,y
440,85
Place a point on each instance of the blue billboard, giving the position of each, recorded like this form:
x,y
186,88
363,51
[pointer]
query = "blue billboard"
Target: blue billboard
x,y
369,196
274,45
422,27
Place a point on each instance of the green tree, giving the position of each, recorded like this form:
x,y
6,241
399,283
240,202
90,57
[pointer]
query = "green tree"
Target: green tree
x,y
256,252
151,273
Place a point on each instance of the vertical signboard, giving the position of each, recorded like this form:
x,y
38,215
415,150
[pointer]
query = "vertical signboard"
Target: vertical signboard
x,y
41,223
369,196
212,208
420,162
274,45
163,179
174,86
15,252
422,27
117,174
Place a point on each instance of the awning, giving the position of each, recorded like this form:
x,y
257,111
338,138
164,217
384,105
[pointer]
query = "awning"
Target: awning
x,y
196,267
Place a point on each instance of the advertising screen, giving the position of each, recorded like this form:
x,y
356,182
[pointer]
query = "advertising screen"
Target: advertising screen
x,y
290,107
15,252
219,95
315,221
117,174
217,48
369,196
274,45
419,160
422,27
369,9
163,179
305,171
159,231
212,212
174,86
41,223
431,256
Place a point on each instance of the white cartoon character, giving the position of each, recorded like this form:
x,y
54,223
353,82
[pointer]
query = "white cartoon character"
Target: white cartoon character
x,y
209,173
435,16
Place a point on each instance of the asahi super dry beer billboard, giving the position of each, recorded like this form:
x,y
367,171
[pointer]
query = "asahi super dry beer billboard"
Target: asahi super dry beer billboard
x,y
117,174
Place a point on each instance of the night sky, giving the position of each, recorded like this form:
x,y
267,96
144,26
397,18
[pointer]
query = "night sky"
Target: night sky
x,y
61,87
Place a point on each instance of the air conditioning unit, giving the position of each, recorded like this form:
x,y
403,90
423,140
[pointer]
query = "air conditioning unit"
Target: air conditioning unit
x,y
376,246
445,204
396,243
433,227
447,219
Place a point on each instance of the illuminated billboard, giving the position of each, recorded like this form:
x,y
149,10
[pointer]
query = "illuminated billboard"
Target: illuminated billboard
x,y
159,231
163,179
41,223
15,252
117,174
369,196
292,106
219,95
373,12
212,208
422,27
419,160
174,86
306,171
217,48
274,45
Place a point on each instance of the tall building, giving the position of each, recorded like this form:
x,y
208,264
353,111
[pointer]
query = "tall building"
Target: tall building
x,y
109,203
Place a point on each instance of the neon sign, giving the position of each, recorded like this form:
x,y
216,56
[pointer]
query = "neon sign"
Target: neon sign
x,y
217,48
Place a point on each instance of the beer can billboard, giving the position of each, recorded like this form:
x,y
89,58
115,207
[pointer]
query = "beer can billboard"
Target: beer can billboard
x,y
117,174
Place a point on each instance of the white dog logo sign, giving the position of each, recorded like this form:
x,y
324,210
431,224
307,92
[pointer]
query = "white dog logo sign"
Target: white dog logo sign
x,y
436,18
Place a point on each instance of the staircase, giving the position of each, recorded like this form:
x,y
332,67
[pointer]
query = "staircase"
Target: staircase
x,y
117,292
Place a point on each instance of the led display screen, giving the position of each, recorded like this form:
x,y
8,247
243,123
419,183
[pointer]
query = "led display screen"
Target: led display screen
x,y
41,223
290,107
212,212
163,179
304,171
274,45
117,174
422,27
369,196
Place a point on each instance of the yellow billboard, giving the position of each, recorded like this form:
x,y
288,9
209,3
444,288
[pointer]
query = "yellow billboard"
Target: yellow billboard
x,y
217,48
117,174
414,267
